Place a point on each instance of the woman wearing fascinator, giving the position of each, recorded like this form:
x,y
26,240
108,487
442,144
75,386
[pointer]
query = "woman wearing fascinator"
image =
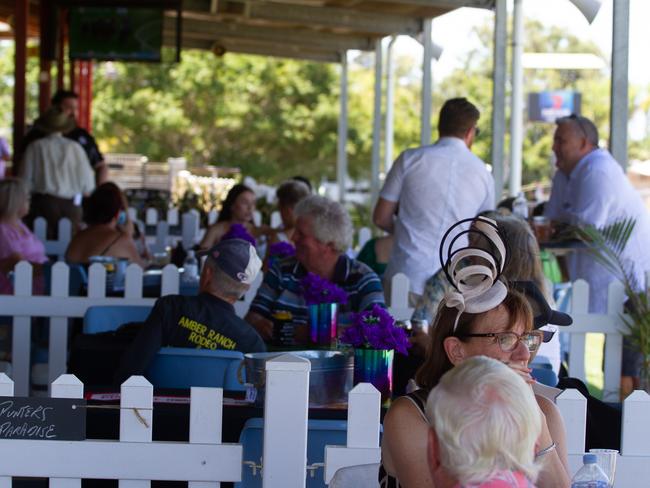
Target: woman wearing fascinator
x,y
479,315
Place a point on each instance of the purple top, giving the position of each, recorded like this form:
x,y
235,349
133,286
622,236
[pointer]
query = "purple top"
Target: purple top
x,y
19,240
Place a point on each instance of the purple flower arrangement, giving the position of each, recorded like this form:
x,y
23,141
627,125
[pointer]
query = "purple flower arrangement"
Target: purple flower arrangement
x,y
238,231
376,329
317,290
281,249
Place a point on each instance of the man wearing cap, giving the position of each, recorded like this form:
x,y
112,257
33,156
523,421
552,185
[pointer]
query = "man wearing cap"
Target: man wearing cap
x,y
205,321
67,102
591,188
58,173
323,232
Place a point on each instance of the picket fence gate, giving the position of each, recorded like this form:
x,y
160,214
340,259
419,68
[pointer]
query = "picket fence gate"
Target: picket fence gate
x,y
205,462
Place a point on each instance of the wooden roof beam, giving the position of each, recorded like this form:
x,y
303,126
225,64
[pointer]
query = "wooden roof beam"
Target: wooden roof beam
x,y
336,19
201,29
261,49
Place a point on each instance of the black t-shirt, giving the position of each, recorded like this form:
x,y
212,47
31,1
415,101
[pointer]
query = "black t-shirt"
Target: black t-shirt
x,y
83,137
201,322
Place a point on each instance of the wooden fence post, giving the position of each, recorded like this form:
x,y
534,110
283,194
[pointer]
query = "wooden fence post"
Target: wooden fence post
x,y
579,305
6,389
58,347
613,344
170,281
22,331
136,418
399,297
133,281
286,405
364,406
190,223
66,386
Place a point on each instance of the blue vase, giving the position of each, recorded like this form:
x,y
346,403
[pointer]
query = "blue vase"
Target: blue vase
x,y
323,323
375,366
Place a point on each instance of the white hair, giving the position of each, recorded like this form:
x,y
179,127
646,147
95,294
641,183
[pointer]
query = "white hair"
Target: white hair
x,y
330,220
486,419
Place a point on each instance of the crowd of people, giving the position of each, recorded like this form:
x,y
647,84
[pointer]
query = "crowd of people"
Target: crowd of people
x,y
475,415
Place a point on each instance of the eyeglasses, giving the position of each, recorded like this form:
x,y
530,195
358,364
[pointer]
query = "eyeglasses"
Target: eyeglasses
x,y
508,341
477,131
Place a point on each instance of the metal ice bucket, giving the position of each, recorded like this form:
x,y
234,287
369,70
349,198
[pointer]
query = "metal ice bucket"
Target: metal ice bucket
x,y
330,378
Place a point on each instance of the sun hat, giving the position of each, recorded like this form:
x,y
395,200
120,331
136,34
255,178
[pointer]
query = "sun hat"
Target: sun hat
x,y
54,120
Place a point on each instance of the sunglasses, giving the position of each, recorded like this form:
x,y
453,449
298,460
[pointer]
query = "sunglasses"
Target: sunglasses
x,y
477,131
508,341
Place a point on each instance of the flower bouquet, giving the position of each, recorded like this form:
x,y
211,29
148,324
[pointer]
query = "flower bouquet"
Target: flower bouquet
x,y
323,298
278,251
375,337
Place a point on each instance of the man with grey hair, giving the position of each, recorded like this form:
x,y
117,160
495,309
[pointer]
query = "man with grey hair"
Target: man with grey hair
x,y
484,425
322,235
591,188
205,321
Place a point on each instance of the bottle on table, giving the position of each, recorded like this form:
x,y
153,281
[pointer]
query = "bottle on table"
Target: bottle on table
x,y
190,269
520,206
590,475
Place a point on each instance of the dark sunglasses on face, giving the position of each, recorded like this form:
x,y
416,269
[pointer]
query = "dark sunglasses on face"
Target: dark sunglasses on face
x,y
508,341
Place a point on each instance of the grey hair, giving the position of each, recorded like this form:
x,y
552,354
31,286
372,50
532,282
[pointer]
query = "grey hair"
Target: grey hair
x,y
486,419
584,127
330,220
13,194
223,285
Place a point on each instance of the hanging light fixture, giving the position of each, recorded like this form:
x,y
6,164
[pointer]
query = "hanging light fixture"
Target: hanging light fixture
x,y
589,8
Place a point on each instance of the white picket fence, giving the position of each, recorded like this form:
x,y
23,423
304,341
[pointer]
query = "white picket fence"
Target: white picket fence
x,y
191,231
205,461
59,307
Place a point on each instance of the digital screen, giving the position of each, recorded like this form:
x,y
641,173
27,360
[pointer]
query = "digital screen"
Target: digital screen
x,y
116,33
548,106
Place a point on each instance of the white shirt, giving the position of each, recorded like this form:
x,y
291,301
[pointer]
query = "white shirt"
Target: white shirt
x,y
597,192
435,186
58,166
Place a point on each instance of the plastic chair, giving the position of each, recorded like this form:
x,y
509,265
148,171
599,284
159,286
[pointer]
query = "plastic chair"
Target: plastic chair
x,y
78,278
320,434
104,318
545,376
178,367
356,476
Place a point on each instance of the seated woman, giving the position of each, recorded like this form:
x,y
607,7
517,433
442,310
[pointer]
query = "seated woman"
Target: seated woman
x,y
237,208
17,243
109,231
480,316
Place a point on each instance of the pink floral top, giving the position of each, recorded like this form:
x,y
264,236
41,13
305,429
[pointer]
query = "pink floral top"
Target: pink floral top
x,y
503,479
19,240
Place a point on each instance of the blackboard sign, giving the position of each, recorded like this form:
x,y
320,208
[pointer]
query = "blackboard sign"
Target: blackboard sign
x,y
60,419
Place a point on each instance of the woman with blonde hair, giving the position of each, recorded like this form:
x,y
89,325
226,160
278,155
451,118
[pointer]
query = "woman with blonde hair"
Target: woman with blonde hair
x,y
17,242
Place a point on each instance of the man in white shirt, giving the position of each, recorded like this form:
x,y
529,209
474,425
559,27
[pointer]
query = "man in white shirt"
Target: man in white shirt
x,y
591,188
430,188
57,171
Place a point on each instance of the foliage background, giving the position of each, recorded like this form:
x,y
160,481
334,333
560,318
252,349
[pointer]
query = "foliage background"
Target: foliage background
x,y
275,118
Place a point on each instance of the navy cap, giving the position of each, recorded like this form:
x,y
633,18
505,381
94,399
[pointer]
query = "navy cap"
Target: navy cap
x,y
235,257
543,314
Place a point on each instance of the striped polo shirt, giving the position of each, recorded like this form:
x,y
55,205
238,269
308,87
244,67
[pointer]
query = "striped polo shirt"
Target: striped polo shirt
x,y
281,288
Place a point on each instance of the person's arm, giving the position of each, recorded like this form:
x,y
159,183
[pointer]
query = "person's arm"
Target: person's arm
x,y
259,315
101,173
404,445
261,324
213,234
140,353
384,214
555,472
